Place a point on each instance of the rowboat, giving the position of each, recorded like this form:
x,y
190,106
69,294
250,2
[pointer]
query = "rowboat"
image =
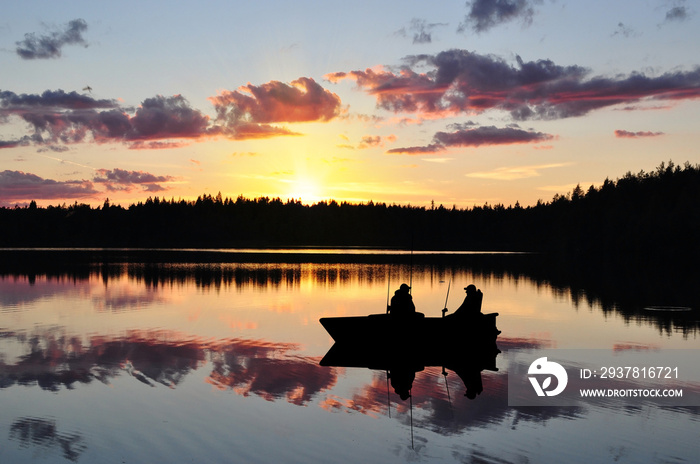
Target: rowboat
x,y
404,346
415,330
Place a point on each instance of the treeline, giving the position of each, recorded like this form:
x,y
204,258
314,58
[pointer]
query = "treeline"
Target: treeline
x,y
655,214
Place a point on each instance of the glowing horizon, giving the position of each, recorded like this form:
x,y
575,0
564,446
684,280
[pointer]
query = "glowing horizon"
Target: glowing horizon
x,y
433,104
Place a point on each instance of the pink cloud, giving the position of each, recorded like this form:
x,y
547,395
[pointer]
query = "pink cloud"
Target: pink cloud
x,y
631,135
464,82
18,185
123,180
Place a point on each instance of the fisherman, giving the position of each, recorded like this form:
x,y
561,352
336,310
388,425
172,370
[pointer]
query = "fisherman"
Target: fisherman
x,y
402,302
471,306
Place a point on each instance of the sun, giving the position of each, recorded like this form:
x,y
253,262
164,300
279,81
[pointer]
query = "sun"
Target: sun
x,y
306,189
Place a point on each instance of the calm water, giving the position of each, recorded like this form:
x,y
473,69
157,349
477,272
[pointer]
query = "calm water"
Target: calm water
x,y
130,361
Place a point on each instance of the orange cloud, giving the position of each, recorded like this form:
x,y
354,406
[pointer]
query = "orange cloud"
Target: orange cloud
x,y
248,111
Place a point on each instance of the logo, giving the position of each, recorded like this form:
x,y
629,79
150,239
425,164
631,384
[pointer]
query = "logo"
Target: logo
x,y
542,366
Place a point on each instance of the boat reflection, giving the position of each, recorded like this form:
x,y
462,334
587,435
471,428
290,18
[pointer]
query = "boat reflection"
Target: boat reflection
x,y
403,364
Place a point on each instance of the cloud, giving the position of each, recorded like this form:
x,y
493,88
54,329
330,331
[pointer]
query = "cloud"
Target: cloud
x,y
50,45
18,185
245,131
466,82
166,117
156,145
59,117
627,134
249,111
123,180
10,101
68,117
370,141
624,31
487,135
677,13
421,30
485,14
10,143
515,172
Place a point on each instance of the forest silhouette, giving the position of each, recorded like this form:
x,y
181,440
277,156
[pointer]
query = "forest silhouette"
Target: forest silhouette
x,y
649,216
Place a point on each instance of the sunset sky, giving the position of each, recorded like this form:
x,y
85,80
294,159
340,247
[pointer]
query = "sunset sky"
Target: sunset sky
x,y
460,103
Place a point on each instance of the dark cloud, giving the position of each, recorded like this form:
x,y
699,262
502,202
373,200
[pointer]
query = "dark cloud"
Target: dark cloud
x,y
677,13
60,117
18,185
167,117
485,14
627,134
487,135
123,180
50,45
9,144
421,30
466,82
12,102
249,111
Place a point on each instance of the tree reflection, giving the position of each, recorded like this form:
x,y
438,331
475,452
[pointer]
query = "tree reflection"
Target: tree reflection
x,y
613,286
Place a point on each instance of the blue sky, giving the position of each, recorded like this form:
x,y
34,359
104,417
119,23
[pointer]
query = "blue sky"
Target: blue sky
x,y
402,102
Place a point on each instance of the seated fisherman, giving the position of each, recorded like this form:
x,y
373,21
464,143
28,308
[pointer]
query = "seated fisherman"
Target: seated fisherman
x,y
471,307
402,302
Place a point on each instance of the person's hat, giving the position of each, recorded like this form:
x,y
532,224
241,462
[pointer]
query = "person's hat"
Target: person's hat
x,y
470,288
404,287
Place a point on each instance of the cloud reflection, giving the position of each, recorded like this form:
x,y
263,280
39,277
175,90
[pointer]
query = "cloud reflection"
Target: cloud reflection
x,y
44,433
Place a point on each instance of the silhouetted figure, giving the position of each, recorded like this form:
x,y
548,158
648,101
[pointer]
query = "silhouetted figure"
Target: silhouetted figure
x,y
471,306
471,376
402,302
402,381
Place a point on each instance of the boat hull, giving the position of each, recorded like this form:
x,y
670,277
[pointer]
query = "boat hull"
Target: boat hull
x,y
382,333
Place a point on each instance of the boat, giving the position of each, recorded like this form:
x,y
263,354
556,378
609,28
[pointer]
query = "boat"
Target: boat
x,y
464,342
404,347
447,332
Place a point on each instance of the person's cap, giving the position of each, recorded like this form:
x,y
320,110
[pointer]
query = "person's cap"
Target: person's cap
x,y
470,287
404,286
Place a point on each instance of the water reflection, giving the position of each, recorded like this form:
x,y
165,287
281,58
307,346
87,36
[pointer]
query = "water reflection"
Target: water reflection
x,y
629,292
401,367
32,431
53,360
219,349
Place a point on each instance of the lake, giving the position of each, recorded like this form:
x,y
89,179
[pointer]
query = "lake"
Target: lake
x,y
181,356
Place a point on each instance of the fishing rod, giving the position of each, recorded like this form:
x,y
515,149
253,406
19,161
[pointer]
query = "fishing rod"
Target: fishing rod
x,y
444,310
388,287
444,371
410,282
447,386
410,397
388,397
